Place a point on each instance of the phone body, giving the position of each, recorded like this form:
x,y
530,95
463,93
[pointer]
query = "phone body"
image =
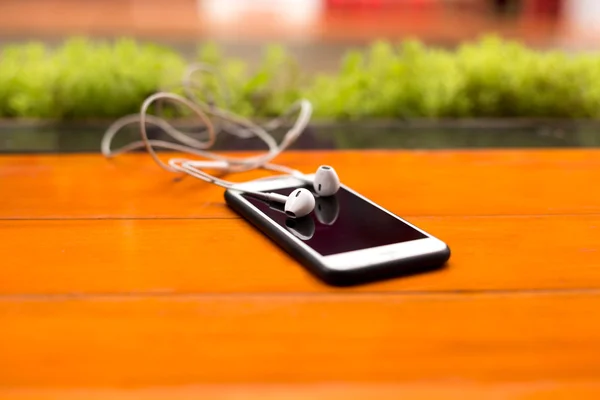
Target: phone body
x,y
347,240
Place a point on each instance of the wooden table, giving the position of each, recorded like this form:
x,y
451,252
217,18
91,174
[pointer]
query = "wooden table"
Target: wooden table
x,y
119,282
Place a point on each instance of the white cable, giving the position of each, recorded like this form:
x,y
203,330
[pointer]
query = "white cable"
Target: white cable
x,y
232,124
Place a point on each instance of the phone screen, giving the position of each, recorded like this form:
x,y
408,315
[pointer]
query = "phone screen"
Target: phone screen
x,y
340,223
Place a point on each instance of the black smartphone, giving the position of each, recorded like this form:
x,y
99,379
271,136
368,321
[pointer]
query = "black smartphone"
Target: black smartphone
x,y
347,240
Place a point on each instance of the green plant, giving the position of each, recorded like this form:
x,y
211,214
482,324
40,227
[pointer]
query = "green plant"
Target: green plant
x,y
265,91
488,78
83,78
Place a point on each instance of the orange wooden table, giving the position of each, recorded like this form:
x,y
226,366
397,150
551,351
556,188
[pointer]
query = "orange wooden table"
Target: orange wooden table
x,y
118,282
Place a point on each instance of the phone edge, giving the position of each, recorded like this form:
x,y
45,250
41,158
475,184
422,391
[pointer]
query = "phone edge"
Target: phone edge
x,y
375,272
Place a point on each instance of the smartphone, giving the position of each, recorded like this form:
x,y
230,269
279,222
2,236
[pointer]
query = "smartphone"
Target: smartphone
x,y
347,239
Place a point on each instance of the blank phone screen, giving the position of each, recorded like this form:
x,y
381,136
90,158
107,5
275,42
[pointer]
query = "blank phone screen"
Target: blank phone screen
x,y
340,223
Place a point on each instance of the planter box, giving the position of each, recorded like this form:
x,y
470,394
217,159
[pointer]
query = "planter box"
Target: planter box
x,y
84,136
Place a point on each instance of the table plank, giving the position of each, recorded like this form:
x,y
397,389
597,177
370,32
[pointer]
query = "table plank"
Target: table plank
x,y
136,342
227,256
120,283
410,183
352,391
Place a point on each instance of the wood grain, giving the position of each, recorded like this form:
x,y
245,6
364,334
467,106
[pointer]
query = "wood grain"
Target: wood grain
x,y
349,391
507,182
118,282
138,342
230,256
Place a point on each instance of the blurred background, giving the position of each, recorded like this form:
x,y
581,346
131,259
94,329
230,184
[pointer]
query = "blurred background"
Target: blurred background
x,y
319,30
318,34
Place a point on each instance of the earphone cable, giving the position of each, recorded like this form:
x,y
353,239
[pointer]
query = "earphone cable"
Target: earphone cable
x,y
232,124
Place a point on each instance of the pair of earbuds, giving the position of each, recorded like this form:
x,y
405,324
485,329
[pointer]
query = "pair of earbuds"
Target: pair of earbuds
x,y
299,203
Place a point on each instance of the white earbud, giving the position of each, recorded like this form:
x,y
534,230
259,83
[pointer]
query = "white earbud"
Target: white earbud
x,y
298,204
326,182
302,227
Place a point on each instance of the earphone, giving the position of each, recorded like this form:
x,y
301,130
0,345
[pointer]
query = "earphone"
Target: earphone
x,y
303,228
299,203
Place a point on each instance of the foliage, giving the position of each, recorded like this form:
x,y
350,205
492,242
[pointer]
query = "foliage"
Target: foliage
x,y
489,78
82,78
265,91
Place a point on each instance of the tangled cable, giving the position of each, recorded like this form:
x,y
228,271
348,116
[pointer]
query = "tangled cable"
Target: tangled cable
x,y
229,123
